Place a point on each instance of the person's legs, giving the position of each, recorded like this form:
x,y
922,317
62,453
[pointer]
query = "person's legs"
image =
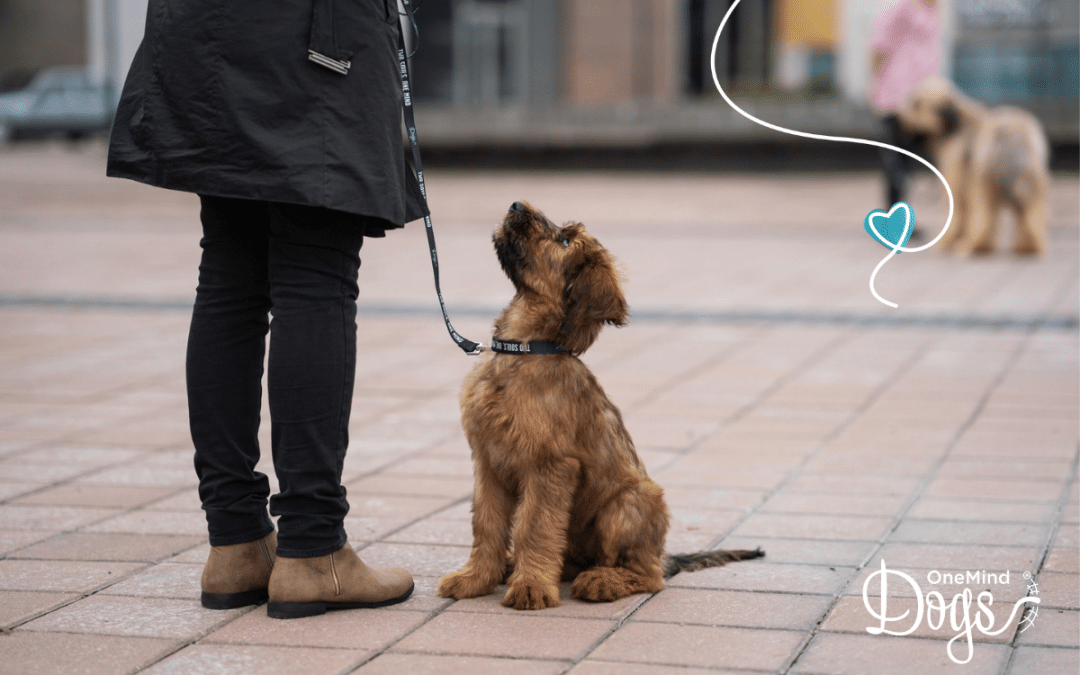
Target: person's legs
x,y
313,264
226,346
895,164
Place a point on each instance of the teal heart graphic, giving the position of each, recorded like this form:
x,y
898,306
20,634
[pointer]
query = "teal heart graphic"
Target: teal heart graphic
x,y
891,225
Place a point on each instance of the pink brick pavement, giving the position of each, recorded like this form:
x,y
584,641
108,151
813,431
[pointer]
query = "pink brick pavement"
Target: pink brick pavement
x,y
769,417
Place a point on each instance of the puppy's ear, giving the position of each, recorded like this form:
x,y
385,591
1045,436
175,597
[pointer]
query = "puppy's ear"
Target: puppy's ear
x,y
592,298
950,117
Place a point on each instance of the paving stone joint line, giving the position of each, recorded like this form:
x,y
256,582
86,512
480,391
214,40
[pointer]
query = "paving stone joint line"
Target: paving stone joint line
x,y
946,321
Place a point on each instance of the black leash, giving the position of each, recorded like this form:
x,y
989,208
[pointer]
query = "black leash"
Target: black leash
x,y
539,347
468,346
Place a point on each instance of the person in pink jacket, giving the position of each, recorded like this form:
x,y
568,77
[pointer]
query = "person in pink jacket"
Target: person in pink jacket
x,y
906,47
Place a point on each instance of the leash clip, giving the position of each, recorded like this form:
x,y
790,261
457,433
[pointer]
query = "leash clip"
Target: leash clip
x,y
477,351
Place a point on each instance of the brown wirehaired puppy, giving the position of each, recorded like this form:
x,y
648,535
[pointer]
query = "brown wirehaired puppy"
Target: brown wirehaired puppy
x,y
993,159
557,476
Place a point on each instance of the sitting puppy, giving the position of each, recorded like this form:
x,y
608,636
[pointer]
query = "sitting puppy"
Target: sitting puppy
x,y
993,158
557,477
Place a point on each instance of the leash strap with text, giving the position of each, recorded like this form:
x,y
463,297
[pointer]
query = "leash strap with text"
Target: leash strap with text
x,y
468,346
542,347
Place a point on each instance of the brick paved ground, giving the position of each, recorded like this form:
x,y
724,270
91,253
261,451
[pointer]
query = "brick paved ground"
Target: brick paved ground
x,y
776,402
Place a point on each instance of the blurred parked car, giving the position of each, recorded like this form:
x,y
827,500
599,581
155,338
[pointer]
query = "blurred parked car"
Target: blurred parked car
x,y
61,99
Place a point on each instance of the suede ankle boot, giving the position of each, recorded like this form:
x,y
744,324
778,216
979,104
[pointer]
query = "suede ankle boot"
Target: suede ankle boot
x,y
309,586
237,575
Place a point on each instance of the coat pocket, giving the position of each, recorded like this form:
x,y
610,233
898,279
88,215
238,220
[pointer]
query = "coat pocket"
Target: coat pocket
x,y
322,47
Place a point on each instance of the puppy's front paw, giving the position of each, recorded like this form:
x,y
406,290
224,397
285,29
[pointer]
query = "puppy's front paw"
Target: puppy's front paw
x,y
464,584
524,595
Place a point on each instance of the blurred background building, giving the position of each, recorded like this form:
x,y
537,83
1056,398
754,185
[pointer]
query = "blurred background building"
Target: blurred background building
x,y
635,73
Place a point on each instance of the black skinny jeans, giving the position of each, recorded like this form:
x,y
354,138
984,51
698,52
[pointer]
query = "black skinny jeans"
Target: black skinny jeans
x,y
299,264
897,166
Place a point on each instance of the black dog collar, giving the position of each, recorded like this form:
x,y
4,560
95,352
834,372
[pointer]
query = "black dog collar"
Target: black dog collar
x,y
541,347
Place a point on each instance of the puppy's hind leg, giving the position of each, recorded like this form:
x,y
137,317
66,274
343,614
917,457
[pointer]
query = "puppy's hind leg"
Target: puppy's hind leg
x,y
632,529
493,509
607,584
540,537
1031,222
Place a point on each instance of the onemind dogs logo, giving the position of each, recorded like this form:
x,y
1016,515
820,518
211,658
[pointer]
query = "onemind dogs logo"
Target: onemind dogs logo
x,y
959,610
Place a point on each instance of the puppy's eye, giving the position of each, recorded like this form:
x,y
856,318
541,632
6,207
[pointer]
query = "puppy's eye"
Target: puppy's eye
x,y
565,242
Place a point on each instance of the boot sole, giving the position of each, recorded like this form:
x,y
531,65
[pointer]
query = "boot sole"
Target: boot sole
x,y
296,610
233,600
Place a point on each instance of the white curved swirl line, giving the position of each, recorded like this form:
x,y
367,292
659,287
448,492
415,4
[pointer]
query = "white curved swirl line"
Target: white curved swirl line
x,y
842,139
894,246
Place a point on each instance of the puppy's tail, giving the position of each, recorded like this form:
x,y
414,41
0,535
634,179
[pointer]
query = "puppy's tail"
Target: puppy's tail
x,y
692,562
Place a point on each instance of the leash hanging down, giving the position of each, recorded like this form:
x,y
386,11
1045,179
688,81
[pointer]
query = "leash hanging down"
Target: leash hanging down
x,y
468,346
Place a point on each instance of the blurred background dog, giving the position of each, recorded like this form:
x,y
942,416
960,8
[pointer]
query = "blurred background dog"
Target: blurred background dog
x,y
993,158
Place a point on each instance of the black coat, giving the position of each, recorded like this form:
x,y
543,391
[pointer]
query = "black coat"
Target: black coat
x,y
223,99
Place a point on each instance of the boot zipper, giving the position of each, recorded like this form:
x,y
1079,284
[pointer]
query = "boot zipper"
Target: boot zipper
x,y
333,573
266,554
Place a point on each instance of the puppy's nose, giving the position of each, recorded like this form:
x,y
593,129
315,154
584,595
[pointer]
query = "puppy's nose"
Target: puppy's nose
x,y
517,207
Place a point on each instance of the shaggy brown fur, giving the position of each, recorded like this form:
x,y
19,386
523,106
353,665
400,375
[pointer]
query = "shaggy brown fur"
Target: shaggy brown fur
x,y
557,478
993,159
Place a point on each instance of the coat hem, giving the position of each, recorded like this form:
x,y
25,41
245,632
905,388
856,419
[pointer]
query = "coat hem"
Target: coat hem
x,y
117,170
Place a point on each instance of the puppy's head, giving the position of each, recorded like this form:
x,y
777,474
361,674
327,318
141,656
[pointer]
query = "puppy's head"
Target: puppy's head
x,y
932,109
561,270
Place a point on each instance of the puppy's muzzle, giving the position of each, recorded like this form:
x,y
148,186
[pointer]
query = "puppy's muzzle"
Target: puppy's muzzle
x,y
517,207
